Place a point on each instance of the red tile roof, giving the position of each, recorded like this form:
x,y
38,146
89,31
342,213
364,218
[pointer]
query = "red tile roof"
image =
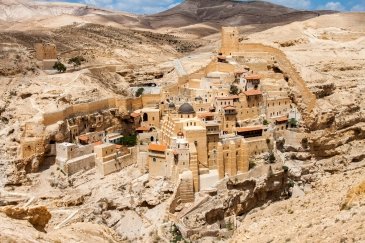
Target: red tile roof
x,y
249,129
252,77
117,146
228,108
282,119
98,143
157,147
84,138
252,92
205,114
143,129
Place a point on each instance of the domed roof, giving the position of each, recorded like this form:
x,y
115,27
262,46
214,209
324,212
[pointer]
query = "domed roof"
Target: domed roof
x,y
180,134
186,108
171,105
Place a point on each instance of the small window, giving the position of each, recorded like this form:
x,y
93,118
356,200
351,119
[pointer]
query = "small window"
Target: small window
x,y
154,159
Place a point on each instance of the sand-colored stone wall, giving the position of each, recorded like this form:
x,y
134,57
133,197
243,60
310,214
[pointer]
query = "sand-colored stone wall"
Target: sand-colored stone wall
x,y
230,43
45,51
109,161
157,165
219,67
125,105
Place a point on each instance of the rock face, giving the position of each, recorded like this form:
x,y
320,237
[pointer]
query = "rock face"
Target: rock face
x,y
37,216
235,197
331,210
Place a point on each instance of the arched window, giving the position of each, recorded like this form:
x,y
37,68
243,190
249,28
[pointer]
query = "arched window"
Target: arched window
x,y
145,117
152,139
154,159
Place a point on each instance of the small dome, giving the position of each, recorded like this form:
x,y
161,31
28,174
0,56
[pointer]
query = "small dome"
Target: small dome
x,y
186,108
198,98
180,134
171,105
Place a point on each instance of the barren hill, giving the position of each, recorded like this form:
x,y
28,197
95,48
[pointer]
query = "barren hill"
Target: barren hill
x,y
228,12
212,14
29,12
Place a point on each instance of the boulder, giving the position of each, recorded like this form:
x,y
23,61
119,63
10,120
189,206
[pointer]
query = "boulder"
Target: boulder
x,y
38,216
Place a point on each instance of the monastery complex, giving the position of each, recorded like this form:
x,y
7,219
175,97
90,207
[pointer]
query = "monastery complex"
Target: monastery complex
x,y
206,127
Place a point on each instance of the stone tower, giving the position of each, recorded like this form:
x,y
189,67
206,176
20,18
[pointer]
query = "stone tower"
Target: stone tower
x,y
230,43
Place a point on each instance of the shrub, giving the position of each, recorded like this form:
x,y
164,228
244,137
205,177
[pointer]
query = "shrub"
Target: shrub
x,y
76,61
234,90
285,168
293,122
139,92
60,67
265,122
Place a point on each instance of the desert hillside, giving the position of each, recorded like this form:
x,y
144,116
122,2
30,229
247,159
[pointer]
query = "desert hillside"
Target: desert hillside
x,y
330,59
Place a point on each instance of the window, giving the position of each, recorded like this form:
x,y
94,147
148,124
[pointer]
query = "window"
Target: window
x,y
154,159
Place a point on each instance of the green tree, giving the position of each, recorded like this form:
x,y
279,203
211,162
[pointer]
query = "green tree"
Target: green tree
x,y
76,61
60,67
139,92
129,141
265,122
234,90
293,122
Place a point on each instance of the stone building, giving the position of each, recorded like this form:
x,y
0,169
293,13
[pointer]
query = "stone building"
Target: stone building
x,y
72,158
232,156
109,160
